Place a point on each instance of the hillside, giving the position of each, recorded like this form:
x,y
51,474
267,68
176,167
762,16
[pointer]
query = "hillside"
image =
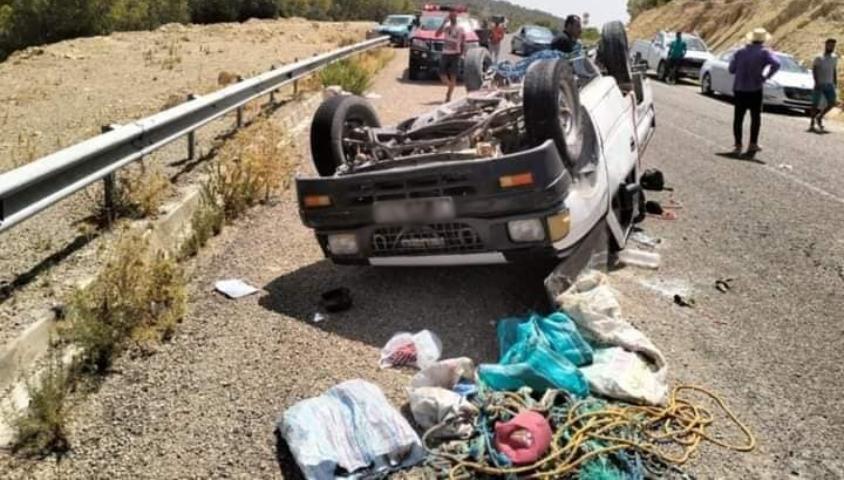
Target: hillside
x,y
798,26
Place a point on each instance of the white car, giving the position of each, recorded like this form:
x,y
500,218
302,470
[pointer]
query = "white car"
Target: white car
x,y
655,54
791,87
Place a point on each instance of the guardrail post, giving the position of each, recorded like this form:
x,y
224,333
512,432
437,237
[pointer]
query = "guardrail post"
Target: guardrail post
x,y
272,92
191,135
109,186
239,109
296,82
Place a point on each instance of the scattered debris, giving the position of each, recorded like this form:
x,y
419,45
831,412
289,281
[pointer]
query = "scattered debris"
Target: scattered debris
x,y
785,166
372,96
682,301
644,239
445,374
405,349
431,406
337,300
351,430
319,317
654,208
724,285
235,289
653,180
640,258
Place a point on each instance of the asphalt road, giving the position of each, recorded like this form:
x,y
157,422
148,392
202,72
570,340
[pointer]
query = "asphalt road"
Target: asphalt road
x,y
205,404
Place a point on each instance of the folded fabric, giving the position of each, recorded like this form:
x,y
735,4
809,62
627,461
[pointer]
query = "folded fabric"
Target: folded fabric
x,y
541,353
351,431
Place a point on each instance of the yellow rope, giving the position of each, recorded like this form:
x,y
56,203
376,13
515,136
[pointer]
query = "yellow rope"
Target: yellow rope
x,y
680,422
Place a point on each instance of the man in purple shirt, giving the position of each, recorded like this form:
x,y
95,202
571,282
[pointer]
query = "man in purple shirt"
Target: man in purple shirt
x,y
753,65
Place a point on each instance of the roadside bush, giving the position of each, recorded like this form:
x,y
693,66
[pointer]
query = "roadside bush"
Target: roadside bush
x,y
42,428
348,74
139,296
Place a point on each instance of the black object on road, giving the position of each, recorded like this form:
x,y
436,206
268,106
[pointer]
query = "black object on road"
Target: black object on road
x,y
338,300
654,208
684,301
653,180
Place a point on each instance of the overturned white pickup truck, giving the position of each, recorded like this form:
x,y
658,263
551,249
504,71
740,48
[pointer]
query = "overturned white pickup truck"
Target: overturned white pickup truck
x,y
521,167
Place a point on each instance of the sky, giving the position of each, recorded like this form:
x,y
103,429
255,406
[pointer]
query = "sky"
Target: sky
x,y
601,10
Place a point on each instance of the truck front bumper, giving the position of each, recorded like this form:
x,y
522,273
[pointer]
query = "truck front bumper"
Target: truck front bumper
x,y
478,232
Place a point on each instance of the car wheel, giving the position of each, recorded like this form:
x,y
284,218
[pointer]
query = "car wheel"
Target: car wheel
x,y
477,64
333,122
662,72
552,109
614,53
706,84
413,72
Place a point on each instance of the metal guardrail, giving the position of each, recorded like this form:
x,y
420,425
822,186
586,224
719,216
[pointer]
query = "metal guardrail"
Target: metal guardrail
x,y
26,191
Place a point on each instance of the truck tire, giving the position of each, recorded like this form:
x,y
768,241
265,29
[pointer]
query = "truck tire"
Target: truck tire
x,y
332,122
614,52
478,62
552,109
662,71
413,72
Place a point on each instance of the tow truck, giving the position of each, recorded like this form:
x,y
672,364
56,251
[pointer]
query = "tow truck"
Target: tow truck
x,y
528,165
426,46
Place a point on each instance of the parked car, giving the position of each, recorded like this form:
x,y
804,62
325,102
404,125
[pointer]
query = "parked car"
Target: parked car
x,y
426,46
530,39
655,54
398,27
790,87
488,178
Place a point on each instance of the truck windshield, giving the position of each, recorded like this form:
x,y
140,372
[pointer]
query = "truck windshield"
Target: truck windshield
x,y
431,22
397,20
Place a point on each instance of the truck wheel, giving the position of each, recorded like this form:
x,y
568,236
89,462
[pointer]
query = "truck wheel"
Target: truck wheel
x,y
413,72
614,52
478,62
706,85
332,124
552,108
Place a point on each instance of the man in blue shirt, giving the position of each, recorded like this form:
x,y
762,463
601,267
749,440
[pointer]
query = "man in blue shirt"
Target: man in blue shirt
x,y
676,54
753,65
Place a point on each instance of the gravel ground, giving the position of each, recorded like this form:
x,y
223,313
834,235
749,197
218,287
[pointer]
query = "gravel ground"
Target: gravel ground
x,y
205,405
60,94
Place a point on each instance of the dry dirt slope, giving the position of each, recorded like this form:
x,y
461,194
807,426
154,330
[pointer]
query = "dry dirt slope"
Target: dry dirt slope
x,y
798,26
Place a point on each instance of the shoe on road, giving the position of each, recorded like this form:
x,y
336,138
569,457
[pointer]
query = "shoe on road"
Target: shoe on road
x,y
753,149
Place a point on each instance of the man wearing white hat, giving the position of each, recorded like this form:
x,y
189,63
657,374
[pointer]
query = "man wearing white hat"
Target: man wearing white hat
x,y
753,65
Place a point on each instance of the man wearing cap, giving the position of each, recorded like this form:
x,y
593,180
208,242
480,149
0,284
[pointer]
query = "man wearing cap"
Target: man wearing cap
x,y
753,65
825,71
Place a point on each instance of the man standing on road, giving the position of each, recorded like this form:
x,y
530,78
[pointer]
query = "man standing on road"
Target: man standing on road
x,y
749,66
569,41
454,41
496,36
676,54
825,71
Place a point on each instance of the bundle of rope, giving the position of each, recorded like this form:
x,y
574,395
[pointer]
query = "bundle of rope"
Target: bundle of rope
x,y
590,436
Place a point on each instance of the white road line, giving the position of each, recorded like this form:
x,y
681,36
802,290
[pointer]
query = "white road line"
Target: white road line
x,y
785,175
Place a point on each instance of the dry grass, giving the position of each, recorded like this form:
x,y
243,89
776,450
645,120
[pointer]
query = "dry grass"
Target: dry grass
x,y
41,429
355,75
136,299
139,193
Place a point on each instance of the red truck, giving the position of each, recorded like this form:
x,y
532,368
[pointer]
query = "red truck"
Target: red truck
x,y
426,46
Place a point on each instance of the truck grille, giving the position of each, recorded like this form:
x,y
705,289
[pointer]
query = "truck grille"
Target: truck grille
x,y
801,94
438,238
437,46
453,184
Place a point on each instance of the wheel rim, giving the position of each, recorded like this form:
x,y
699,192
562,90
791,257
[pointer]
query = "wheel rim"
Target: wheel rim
x,y
707,84
566,118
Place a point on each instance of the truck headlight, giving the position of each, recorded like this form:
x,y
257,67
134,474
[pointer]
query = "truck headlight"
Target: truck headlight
x,y
343,244
419,43
523,231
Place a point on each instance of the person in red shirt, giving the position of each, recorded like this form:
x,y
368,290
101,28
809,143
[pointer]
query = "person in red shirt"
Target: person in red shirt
x,y
496,36
454,42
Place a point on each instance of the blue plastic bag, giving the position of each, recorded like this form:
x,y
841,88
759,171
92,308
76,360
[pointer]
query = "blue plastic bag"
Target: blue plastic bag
x,y
541,353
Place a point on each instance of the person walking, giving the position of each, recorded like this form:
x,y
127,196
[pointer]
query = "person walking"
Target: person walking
x,y
569,41
454,43
825,71
676,54
496,36
752,66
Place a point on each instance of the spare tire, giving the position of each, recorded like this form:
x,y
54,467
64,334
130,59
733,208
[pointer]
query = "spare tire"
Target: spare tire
x,y
552,109
333,121
613,52
478,62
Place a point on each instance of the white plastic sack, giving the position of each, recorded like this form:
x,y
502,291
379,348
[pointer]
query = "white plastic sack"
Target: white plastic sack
x,y
622,375
593,306
406,349
444,374
351,427
431,406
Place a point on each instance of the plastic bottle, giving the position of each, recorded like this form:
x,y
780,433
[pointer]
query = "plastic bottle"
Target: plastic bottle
x,y
639,258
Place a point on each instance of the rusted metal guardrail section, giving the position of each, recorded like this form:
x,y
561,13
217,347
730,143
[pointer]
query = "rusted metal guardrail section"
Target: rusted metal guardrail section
x,y
28,190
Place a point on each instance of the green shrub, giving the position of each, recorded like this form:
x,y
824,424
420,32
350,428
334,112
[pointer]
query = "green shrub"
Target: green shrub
x,y
348,74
